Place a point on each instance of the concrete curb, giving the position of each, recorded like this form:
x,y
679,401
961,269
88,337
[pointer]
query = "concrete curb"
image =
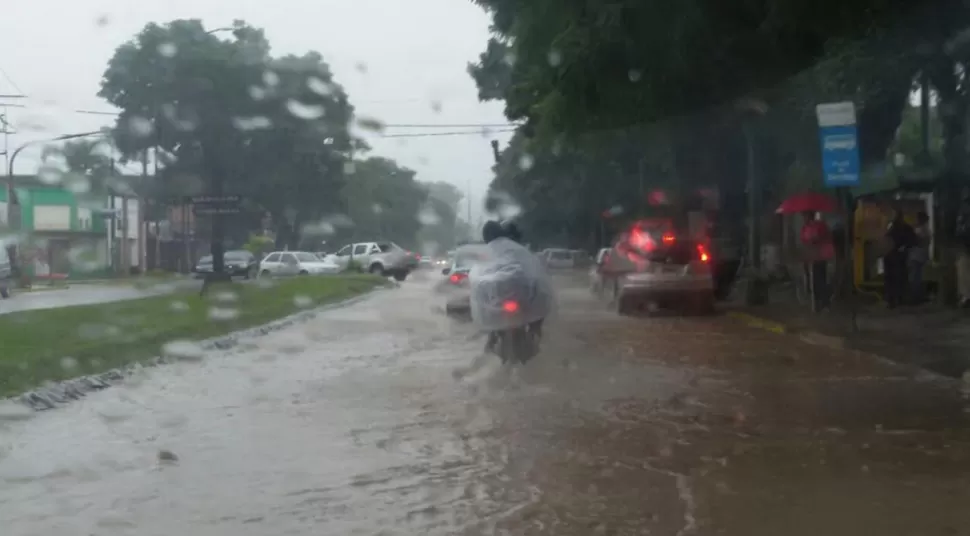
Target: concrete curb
x,y
63,392
832,342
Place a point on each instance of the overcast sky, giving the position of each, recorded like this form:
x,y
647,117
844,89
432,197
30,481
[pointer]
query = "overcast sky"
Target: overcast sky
x,y
402,61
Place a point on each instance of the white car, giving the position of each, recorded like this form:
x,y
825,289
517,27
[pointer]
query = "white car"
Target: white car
x,y
286,263
558,259
674,272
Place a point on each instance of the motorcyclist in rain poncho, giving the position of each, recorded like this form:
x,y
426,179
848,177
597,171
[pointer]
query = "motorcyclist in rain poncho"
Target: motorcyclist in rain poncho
x,y
511,273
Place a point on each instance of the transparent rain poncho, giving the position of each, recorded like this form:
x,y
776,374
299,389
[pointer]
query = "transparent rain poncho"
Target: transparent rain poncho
x,y
510,273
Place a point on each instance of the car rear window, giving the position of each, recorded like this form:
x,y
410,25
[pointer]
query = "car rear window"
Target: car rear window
x,y
561,255
679,252
386,247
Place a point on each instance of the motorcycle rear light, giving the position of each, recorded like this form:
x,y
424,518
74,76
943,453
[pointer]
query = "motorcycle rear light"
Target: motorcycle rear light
x,y
702,254
510,306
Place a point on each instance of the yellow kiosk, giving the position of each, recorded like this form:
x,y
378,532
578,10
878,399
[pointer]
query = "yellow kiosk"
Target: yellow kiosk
x,y
871,220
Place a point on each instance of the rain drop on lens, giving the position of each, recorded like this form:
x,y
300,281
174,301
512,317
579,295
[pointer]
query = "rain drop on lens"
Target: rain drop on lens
x,y
223,313
168,50
303,110
635,75
555,58
140,127
526,162
319,86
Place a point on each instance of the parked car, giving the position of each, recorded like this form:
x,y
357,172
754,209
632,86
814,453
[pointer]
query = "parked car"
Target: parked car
x,y
287,263
558,259
239,263
666,270
455,283
385,258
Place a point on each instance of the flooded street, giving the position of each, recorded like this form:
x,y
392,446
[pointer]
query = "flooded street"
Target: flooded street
x,y
354,423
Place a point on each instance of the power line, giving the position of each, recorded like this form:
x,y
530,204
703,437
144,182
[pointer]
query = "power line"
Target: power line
x,y
457,133
9,79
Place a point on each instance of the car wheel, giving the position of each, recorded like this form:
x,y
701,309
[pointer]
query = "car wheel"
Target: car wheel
x,y
400,276
250,273
376,269
265,273
304,272
4,292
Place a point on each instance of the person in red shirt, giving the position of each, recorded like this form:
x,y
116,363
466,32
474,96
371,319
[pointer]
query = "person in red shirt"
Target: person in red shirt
x,y
819,249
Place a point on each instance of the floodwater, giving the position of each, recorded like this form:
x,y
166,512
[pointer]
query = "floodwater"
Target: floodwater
x,y
365,420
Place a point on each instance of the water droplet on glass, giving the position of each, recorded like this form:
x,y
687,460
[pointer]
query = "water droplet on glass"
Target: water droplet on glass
x,y
526,162
436,106
428,216
87,258
49,174
302,301
361,67
139,126
369,123
271,79
178,306
303,110
555,58
377,208
265,283
635,75
226,297
167,456
257,93
350,168
77,184
252,123
223,313
168,50
68,363
102,20
183,350
319,86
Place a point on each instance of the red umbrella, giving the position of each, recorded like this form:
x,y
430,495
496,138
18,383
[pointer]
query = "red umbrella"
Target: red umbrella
x,y
808,201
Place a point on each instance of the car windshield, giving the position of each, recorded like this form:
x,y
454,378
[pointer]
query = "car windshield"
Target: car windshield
x,y
306,257
237,256
205,260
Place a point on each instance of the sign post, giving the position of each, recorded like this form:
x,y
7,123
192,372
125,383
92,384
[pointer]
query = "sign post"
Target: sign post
x,y
839,141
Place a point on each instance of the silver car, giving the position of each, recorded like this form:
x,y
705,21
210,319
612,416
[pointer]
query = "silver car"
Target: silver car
x,y
384,258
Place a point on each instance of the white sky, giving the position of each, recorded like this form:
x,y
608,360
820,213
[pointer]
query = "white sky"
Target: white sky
x,y
415,53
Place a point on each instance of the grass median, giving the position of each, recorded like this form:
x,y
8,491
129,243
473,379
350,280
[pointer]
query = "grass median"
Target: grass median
x,y
57,344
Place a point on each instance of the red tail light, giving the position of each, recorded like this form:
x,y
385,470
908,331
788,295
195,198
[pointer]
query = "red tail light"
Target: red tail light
x,y
668,238
457,277
510,306
702,254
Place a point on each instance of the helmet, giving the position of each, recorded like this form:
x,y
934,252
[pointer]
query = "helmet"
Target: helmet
x,y
492,230
511,231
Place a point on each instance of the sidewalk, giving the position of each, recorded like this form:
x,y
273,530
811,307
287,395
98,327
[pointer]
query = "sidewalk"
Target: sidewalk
x,y
927,336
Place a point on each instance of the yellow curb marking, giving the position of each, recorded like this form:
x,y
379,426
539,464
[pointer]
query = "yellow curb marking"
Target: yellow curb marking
x,y
758,322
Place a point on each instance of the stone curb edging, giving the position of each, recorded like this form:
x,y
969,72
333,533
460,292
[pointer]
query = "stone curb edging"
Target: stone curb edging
x,y
832,342
66,391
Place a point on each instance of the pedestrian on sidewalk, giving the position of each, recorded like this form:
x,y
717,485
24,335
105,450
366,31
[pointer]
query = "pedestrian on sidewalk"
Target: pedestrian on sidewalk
x,y
901,238
963,255
819,250
919,255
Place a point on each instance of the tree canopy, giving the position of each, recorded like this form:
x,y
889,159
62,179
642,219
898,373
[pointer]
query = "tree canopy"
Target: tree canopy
x,y
225,116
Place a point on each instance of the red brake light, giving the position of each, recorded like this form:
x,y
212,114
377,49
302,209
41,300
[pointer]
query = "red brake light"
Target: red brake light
x,y
668,238
510,306
702,253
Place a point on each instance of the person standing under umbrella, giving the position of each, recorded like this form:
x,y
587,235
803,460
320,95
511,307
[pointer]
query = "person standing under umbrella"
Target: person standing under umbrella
x,y
819,249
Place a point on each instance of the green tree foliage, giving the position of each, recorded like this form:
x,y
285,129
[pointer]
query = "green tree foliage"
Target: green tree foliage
x,y
638,94
227,117
383,202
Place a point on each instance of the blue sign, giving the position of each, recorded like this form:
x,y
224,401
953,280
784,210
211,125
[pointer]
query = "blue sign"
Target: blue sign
x,y
840,155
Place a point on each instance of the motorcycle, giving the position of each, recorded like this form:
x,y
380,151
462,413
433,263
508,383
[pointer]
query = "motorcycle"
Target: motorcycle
x,y
510,296
516,344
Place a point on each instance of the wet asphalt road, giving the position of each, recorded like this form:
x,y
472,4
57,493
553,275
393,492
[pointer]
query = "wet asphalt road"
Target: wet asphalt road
x,y
87,294
355,423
